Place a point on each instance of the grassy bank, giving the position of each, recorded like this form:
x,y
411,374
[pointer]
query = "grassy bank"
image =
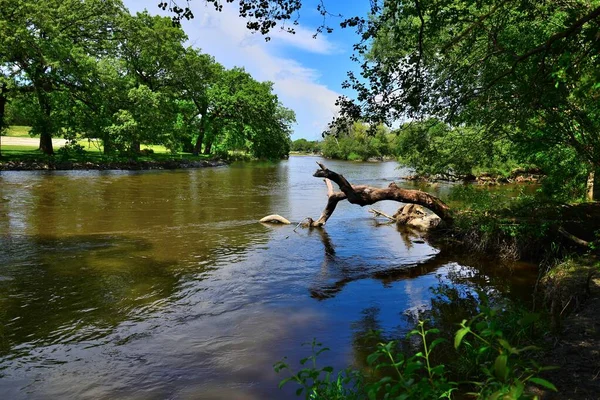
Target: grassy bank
x,y
18,131
525,227
155,157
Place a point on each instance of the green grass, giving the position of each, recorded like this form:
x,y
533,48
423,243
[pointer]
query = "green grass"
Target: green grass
x,y
93,151
18,131
93,154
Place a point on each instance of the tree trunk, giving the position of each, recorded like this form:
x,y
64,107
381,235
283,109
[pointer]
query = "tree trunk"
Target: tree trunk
x,y
106,143
46,123
200,139
3,101
367,195
208,147
592,188
135,147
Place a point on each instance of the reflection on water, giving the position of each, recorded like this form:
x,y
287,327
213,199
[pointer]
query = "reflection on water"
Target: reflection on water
x,y
149,285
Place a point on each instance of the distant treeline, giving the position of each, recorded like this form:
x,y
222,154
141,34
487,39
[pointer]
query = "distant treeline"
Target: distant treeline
x,y
89,69
435,149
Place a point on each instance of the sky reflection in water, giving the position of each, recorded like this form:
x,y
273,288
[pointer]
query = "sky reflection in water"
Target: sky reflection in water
x,y
147,285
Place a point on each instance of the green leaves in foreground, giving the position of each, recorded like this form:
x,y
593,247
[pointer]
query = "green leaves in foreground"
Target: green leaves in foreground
x,y
321,383
503,370
507,369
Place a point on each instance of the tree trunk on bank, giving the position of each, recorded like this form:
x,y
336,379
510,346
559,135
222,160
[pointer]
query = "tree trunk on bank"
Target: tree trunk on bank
x,y
106,143
592,187
367,195
208,147
135,147
3,101
46,123
199,140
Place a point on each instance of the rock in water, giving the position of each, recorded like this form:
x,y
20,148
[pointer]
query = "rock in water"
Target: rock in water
x,y
416,217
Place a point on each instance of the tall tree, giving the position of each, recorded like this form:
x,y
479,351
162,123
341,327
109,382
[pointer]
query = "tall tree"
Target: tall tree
x,y
43,43
196,74
525,69
149,48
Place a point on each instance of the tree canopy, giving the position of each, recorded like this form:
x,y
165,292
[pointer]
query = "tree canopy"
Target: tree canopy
x,y
527,71
88,68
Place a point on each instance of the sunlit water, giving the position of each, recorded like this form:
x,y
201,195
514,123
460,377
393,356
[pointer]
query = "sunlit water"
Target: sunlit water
x,y
162,284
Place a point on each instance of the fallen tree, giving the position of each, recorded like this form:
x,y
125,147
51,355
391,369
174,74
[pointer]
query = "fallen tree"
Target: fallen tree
x,y
363,195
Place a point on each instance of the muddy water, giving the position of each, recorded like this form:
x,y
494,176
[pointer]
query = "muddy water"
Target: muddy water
x,y
152,285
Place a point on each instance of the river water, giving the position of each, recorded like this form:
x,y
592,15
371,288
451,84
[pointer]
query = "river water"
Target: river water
x,y
162,284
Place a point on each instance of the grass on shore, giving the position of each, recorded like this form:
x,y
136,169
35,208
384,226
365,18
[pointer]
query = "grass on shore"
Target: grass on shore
x,y
92,154
18,131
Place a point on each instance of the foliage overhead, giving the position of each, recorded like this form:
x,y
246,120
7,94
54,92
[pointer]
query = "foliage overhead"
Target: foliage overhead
x,y
527,71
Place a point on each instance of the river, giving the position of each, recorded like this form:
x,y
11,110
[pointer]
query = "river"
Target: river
x,y
162,284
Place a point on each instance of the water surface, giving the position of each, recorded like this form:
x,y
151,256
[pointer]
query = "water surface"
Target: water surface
x,y
161,284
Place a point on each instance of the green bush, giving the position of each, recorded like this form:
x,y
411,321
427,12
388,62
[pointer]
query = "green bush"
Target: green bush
x,y
502,370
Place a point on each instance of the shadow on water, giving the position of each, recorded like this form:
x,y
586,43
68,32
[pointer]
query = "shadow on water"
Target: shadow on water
x,y
76,289
163,285
338,271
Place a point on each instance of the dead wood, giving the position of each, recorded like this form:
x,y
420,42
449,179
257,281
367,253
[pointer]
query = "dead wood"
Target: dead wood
x,y
366,195
275,219
378,213
573,238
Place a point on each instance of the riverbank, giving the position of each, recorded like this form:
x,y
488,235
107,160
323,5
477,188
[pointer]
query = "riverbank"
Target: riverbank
x,y
58,165
571,290
518,175
563,239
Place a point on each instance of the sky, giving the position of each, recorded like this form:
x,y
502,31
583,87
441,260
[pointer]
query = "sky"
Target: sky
x,y
307,73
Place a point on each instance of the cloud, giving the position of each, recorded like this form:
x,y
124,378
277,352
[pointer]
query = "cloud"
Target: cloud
x,y
224,36
303,39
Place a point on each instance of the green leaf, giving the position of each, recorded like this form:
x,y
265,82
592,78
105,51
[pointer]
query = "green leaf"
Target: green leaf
x,y
322,350
284,381
529,319
460,334
500,368
504,343
372,358
544,383
436,342
516,390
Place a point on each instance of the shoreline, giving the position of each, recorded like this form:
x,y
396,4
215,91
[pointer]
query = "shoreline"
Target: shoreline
x,y
519,175
127,165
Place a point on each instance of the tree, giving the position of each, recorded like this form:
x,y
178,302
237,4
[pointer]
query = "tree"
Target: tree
x,y
149,48
359,141
525,70
196,74
271,139
45,45
306,146
244,114
432,147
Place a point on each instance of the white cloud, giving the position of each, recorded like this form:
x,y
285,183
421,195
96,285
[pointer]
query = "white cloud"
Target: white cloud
x,y
224,36
303,39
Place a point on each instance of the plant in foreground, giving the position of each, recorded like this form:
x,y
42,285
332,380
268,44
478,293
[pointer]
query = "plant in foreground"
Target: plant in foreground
x,y
504,371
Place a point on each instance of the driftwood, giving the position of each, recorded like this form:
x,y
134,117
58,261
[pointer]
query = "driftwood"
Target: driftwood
x,y
378,213
573,238
366,195
275,219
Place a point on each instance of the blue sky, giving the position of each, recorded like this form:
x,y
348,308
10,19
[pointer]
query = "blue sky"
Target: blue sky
x,y
307,73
